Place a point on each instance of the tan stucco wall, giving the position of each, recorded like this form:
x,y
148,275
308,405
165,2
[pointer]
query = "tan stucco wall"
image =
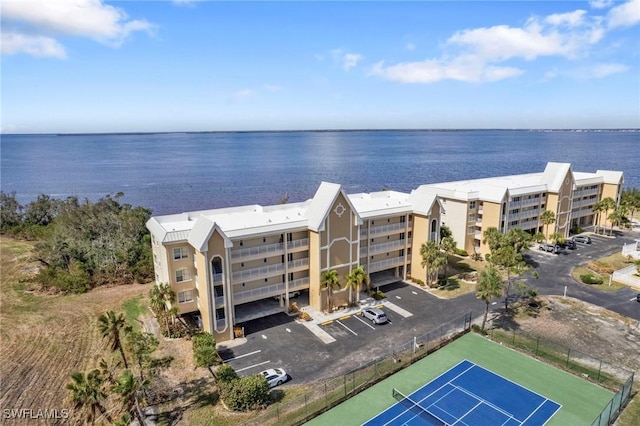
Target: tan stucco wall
x,y
314,270
419,235
608,190
203,290
491,218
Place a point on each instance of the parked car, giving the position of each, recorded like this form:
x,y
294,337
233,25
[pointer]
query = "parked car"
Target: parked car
x,y
375,315
275,376
582,239
570,244
292,295
638,297
550,248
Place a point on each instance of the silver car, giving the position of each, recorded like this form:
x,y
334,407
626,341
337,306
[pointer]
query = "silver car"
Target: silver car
x,y
375,315
275,376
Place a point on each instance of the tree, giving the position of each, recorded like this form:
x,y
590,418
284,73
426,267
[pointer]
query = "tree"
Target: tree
x,y
448,245
616,217
204,350
127,388
141,345
87,394
162,296
10,211
630,198
489,287
329,281
110,326
492,237
604,206
519,239
511,262
547,218
432,260
445,232
557,238
355,278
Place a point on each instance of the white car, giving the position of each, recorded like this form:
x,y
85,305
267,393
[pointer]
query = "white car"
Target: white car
x,y
292,295
275,376
375,315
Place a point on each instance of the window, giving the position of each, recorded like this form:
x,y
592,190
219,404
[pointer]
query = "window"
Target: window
x,y
185,296
472,217
408,251
180,253
472,204
182,275
241,243
403,219
513,223
264,240
265,260
402,236
290,257
471,230
401,253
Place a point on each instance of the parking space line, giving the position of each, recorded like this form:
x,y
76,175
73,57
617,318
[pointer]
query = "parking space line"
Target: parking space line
x,y
345,317
252,366
242,356
398,309
364,322
354,333
318,332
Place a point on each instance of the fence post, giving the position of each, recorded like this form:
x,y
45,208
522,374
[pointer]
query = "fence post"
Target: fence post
x,y
568,355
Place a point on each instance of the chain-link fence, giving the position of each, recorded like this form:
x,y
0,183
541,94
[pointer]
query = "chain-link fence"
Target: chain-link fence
x,y
608,375
323,396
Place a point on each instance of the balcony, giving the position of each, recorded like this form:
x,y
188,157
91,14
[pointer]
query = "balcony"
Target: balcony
x,y
269,291
269,271
480,209
392,228
385,264
297,245
526,224
585,192
384,247
531,201
257,252
477,235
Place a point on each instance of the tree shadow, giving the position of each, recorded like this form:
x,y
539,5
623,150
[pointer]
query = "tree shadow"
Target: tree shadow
x,y
186,395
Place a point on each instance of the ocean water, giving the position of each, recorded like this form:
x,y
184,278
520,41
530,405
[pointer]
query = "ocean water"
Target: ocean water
x,y
176,172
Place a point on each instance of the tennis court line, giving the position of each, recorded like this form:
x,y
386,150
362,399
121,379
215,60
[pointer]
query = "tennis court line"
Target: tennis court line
x,y
485,402
540,406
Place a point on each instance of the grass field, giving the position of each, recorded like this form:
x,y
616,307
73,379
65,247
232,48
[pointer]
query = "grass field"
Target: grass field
x,y
581,401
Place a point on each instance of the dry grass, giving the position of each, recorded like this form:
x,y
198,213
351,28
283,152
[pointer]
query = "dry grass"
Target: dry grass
x,y
602,268
45,338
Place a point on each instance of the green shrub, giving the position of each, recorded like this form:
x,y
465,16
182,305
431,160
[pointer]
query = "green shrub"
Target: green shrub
x,y
378,295
591,279
418,281
245,393
461,252
225,373
74,281
204,350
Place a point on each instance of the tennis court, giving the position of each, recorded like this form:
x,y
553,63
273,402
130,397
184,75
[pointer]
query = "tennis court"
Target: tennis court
x,y
470,395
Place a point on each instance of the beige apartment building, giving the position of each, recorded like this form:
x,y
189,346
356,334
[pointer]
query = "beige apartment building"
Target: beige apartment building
x,y
219,262
517,201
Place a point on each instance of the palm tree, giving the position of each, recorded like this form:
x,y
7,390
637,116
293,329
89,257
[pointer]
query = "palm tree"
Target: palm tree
x,y
431,259
606,205
547,218
492,237
448,245
489,287
355,278
161,296
110,327
519,239
127,387
616,217
86,393
329,281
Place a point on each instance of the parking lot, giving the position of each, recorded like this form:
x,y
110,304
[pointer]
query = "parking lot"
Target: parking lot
x,y
281,341
321,350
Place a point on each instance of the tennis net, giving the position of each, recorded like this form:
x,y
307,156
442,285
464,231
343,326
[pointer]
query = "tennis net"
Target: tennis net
x,y
417,409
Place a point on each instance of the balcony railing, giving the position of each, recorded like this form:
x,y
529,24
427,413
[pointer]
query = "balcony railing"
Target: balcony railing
x,y
385,264
391,228
384,247
525,224
302,243
217,278
585,192
277,248
269,271
269,291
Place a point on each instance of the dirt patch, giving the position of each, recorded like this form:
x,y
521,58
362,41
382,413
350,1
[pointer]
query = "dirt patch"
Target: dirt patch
x,y
587,328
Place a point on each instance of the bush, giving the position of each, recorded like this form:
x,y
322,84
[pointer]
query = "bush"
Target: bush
x,y
245,393
75,281
304,316
600,267
461,252
477,257
576,230
591,279
204,350
418,281
225,373
378,295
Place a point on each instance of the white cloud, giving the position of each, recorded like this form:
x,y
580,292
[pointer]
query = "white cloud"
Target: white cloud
x,y
624,15
600,4
272,88
350,60
92,19
410,46
605,70
241,96
40,46
345,59
479,54
464,68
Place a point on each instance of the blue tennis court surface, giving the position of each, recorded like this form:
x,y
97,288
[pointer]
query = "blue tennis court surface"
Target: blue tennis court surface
x,y
468,395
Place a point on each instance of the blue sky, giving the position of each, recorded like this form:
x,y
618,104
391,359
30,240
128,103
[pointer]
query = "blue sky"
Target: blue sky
x,y
135,66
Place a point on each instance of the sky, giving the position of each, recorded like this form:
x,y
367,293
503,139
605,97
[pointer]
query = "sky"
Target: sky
x,y
83,66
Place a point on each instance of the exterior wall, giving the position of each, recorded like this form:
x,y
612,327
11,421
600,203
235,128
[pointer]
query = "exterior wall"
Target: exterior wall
x,y
419,236
613,191
203,292
222,329
160,261
563,215
455,216
491,218
314,270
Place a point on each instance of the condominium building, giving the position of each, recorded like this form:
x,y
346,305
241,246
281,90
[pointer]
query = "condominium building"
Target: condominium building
x,y
219,262
518,201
